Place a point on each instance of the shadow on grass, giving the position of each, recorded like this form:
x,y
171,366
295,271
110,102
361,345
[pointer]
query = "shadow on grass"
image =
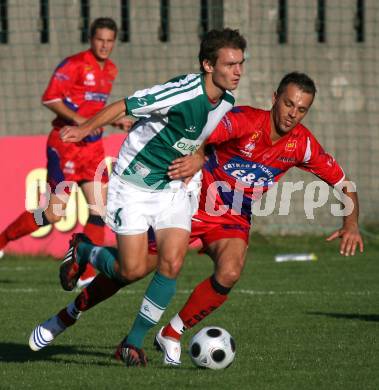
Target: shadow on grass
x,y
20,353
8,281
348,316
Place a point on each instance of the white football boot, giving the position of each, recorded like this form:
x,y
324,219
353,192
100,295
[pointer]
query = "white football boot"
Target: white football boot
x,y
45,333
171,349
1,253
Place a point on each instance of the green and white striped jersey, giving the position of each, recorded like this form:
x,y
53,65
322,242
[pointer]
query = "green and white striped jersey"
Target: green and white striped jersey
x,y
175,119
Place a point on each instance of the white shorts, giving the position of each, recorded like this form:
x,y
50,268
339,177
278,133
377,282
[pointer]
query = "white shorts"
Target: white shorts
x,y
132,210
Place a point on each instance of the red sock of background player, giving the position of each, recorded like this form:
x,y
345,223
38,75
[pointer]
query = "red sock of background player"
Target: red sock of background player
x,y
28,222
100,289
205,298
94,229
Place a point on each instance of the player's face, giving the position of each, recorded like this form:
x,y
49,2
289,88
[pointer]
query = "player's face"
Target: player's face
x,y
102,43
289,108
227,71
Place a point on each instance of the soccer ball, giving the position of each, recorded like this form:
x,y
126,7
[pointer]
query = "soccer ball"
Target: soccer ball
x,y
213,348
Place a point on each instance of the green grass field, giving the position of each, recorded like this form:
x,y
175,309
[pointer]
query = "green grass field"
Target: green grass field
x,y
309,325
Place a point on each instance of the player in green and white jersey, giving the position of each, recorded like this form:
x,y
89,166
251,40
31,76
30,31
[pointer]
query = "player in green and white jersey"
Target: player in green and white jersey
x,y
174,120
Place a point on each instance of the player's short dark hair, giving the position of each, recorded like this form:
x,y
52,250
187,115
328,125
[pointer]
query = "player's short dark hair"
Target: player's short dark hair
x,y
214,40
108,23
301,80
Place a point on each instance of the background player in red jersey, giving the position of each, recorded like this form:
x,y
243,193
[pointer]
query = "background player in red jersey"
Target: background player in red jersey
x,y
252,148
78,89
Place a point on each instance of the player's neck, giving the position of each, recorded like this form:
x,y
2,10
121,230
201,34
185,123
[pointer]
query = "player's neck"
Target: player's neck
x,y
213,92
274,135
101,63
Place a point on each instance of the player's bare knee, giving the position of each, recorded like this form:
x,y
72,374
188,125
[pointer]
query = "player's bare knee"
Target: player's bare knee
x,y
229,272
229,278
131,275
171,267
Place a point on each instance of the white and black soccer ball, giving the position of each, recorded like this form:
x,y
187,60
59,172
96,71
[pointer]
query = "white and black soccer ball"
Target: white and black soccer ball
x,y
213,347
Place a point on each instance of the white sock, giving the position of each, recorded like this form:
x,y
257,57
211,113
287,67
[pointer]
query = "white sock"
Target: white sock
x,y
177,324
73,312
54,325
94,254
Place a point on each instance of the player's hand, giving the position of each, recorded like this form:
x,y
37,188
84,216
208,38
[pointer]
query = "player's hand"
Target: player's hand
x,y
350,239
71,134
95,132
185,167
124,123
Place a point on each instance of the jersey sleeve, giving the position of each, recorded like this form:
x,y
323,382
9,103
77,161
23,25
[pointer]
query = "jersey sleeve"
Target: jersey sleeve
x,y
235,124
321,163
159,99
61,82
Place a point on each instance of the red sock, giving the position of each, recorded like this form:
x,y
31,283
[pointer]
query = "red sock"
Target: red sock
x,y
20,227
169,331
100,289
95,233
202,302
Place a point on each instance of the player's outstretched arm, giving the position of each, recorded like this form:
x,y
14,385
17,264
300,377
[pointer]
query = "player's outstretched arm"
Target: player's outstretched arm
x,y
102,118
123,122
349,233
59,108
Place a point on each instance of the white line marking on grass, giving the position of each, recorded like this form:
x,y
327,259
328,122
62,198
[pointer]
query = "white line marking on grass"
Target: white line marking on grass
x,y
269,292
187,292
19,268
19,290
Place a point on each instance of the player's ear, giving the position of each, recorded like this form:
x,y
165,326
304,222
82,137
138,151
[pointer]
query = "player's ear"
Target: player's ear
x,y
274,97
208,67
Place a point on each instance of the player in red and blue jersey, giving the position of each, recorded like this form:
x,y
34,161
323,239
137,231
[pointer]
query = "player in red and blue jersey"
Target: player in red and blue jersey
x,y
251,150
78,89
246,159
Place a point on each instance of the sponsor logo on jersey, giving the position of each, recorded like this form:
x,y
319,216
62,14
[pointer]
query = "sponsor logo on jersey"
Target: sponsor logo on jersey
x,y
290,146
246,153
256,135
187,146
142,102
96,97
248,148
227,124
191,129
141,169
250,172
288,160
90,79
61,76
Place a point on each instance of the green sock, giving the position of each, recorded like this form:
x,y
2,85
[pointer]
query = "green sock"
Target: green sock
x,y
157,297
102,258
